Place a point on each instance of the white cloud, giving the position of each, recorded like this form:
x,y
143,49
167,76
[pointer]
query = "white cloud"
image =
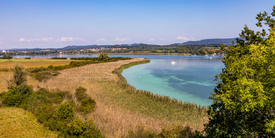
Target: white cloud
x,y
152,39
184,38
66,39
36,39
162,39
100,40
121,39
1,42
46,39
22,39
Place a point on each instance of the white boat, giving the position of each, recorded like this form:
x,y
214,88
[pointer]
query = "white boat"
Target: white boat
x,y
173,62
210,57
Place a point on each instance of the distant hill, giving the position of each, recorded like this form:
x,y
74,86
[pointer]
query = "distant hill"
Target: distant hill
x,y
226,41
76,47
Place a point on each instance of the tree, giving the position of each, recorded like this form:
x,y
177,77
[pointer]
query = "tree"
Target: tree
x,y
103,56
244,98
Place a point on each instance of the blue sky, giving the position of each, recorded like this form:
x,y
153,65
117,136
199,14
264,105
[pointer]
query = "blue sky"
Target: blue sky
x,y
59,23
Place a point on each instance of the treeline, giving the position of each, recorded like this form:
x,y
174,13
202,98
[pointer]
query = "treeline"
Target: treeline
x,y
59,58
199,49
6,57
99,59
196,49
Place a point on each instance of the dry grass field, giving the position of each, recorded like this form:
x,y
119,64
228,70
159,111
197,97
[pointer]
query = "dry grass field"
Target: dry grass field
x,y
18,123
28,63
119,111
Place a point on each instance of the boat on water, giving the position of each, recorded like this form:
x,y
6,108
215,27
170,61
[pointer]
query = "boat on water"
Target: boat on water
x,y
173,62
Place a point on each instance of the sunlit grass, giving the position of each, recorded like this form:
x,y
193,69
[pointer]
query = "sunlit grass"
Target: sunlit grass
x,y
31,63
18,123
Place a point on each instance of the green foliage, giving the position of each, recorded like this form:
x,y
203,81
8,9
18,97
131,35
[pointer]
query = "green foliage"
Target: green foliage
x,y
141,132
19,75
27,57
65,111
6,57
87,129
80,93
244,96
59,58
50,66
178,132
16,95
103,56
174,132
43,73
87,104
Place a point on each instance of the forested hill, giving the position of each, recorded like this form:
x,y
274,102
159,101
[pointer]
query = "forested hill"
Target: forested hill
x,y
226,41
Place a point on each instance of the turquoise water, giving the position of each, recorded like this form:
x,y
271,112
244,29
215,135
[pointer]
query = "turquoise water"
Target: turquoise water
x,y
190,79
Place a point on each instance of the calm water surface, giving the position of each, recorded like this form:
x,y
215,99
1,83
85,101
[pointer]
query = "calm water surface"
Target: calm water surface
x,y
190,79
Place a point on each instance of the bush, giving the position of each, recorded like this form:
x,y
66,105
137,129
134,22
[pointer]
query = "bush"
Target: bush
x,y
65,111
19,74
178,132
27,57
81,93
13,98
6,57
44,75
87,106
59,58
50,66
141,132
86,129
17,95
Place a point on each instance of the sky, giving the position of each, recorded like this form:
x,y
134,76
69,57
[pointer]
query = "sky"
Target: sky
x,y
60,23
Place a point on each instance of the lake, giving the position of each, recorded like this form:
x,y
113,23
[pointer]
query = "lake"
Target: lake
x,y
189,79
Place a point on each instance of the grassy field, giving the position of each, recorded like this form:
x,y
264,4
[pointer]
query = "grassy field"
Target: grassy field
x,y
31,63
18,123
119,110
6,64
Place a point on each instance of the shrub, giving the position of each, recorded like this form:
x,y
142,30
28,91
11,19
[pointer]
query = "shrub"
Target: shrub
x,y
19,74
87,106
16,95
65,111
59,58
86,129
6,57
81,93
44,75
141,132
178,132
27,57
50,66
